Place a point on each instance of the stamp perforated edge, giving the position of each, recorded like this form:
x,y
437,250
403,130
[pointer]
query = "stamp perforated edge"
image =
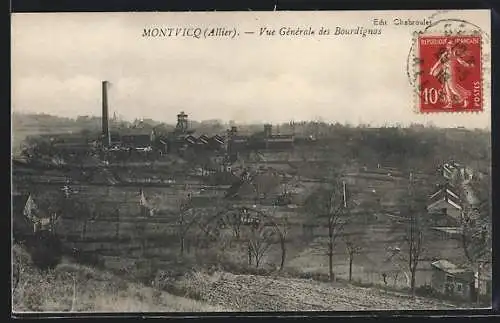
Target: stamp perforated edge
x,y
414,72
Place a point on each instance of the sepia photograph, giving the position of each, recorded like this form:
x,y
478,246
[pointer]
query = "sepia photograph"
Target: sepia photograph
x,y
251,161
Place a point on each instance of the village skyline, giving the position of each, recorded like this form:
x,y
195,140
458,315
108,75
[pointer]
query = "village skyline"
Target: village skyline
x,y
172,121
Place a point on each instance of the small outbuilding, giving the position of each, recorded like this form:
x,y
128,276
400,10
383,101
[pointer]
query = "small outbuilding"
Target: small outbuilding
x,y
452,280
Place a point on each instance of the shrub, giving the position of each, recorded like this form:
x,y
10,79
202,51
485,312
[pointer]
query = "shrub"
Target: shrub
x,y
75,270
194,285
45,251
426,291
88,258
164,280
21,261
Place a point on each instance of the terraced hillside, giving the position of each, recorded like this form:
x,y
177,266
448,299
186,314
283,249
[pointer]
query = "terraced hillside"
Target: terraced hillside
x,y
118,232
122,237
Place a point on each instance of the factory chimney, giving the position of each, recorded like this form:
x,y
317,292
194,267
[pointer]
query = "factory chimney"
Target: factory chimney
x,y
105,115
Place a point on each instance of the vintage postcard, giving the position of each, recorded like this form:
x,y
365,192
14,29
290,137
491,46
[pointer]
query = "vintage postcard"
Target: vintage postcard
x,y
251,161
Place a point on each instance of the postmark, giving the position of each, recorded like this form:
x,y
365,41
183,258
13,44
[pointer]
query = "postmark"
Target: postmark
x,y
445,67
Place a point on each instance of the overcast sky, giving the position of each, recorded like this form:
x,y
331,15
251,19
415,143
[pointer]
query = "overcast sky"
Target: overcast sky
x,y
59,61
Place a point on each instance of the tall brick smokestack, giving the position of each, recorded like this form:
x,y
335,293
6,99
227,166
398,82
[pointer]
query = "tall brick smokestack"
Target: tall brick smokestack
x,y
105,115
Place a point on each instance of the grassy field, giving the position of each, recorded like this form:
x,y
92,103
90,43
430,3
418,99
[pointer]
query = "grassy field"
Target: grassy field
x,y
72,287
76,288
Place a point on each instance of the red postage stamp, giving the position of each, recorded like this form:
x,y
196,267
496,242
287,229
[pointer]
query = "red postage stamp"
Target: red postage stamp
x,y
450,74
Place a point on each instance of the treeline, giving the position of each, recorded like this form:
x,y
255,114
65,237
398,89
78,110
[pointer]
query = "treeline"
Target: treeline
x,y
404,149
416,146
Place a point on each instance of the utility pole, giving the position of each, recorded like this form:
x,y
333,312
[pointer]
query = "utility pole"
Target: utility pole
x,y
478,292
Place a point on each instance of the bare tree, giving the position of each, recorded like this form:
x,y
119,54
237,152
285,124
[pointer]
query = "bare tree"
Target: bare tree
x,y
283,237
185,206
236,221
476,242
475,237
395,257
414,225
480,186
353,248
475,220
414,240
264,184
281,226
141,234
260,240
475,227
395,276
330,204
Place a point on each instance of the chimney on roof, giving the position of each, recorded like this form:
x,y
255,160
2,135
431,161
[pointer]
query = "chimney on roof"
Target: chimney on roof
x,y
105,115
268,130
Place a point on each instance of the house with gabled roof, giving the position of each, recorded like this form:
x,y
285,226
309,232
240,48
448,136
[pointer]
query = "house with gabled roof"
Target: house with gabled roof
x,y
20,223
203,139
446,188
445,203
449,170
446,233
38,217
216,142
191,140
453,280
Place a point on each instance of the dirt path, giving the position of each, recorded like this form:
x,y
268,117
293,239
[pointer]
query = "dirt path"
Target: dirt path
x,y
258,293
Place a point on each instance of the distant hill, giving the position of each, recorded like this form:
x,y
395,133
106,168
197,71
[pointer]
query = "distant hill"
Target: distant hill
x,y
24,125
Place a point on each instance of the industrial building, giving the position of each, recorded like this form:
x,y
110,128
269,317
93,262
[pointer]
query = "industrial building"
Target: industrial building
x,y
265,140
145,140
183,139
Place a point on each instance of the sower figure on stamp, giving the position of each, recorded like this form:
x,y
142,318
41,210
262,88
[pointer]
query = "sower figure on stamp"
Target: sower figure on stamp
x,y
446,70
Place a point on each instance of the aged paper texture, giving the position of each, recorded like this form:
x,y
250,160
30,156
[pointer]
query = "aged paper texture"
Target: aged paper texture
x,y
251,161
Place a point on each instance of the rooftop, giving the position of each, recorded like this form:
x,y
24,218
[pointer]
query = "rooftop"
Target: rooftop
x,y
448,267
444,195
450,230
444,190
